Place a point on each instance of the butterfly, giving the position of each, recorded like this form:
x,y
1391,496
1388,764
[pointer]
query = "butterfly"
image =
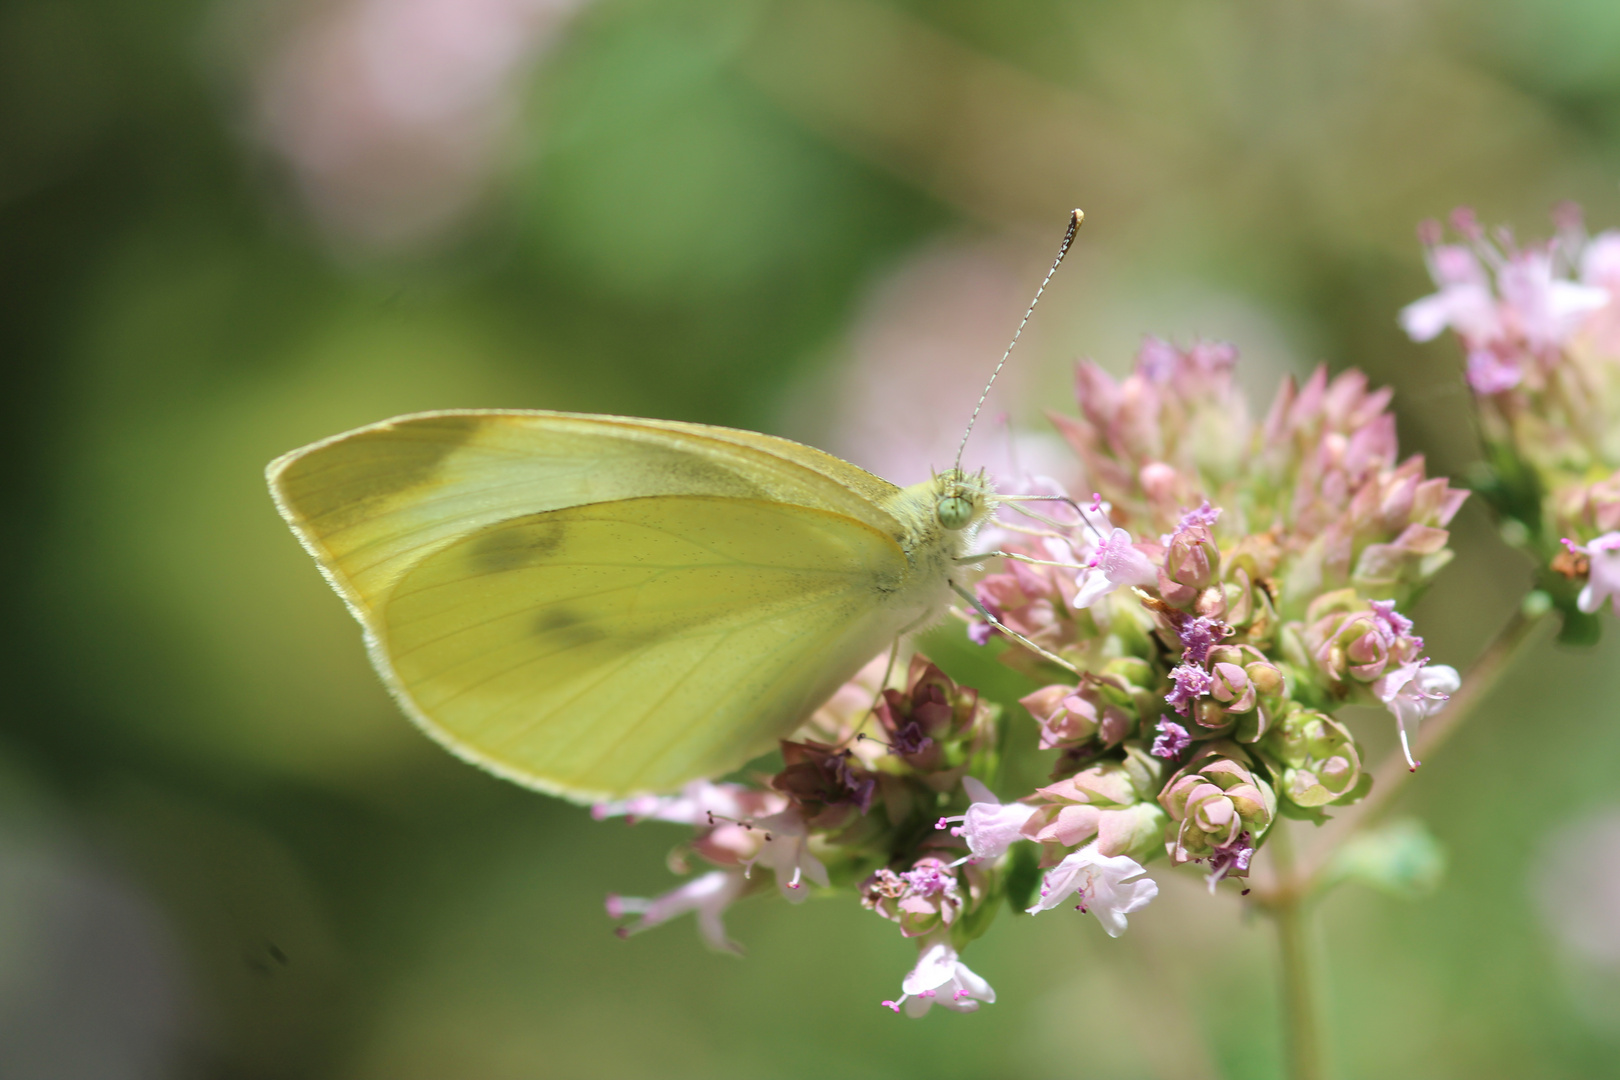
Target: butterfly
x,y
600,606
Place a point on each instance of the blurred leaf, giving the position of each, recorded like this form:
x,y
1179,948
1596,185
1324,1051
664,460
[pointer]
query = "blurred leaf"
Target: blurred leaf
x,y
1402,859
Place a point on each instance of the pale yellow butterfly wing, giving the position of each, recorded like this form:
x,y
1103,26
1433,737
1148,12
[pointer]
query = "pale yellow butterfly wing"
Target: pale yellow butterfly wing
x,y
789,578
633,645
371,502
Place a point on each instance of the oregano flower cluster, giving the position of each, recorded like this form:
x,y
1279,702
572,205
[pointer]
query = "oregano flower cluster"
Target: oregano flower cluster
x,y
1539,325
1199,618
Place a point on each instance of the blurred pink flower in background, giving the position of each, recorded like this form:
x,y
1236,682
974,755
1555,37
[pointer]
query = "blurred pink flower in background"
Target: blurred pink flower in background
x,y
1574,881
394,114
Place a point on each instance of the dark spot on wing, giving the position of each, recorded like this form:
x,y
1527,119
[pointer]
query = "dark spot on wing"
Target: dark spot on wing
x,y
345,483
516,544
566,628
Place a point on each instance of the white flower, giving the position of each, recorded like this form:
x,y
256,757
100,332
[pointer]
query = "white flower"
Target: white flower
x,y
708,895
1100,882
1412,692
1546,309
786,850
1600,261
941,977
1463,303
990,827
694,805
1603,579
1114,562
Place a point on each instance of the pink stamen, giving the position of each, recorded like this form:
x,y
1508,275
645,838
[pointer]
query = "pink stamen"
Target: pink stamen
x,y
895,1005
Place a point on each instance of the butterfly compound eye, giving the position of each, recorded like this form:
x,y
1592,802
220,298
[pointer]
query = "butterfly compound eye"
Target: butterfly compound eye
x,y
954,512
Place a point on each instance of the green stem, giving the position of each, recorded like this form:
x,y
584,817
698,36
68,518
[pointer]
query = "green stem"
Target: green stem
x,y
1299,991
1289,909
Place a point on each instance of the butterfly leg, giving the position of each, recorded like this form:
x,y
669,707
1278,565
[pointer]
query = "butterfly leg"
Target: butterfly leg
x,y
877,695
1015,635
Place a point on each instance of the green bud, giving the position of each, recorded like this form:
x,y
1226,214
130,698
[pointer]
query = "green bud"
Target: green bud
x,y
1312,758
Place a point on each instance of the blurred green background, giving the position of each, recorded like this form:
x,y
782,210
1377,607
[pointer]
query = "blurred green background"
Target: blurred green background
x,y
229,227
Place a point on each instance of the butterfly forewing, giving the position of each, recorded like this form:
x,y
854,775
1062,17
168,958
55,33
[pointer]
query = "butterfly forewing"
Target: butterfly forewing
x,y
372,502
631,645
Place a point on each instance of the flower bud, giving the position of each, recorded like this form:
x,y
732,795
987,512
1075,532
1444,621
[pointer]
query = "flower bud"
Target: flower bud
x,y
1253,725
1313,757
1111,802
1071,716
1210,716
1360,644
826,785
1192,558
1232,688
932,724
1213,800
1265,677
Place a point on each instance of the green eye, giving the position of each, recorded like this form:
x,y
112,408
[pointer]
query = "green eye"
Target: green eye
x,y
954,512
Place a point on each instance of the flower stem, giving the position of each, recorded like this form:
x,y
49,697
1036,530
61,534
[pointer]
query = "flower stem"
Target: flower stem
x,y
1299,997
1288,906
1287,898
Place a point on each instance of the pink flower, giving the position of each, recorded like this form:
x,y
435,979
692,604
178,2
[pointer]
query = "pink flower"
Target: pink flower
x,y
1198,636
941,977
1171,740
1232,858
1101,883
922,900
1545,310
699,804
1464,302
989,826
786,850
1191,682
1489,372
1600,261
1412,692
1533,311
1603,579
1115,562
708,896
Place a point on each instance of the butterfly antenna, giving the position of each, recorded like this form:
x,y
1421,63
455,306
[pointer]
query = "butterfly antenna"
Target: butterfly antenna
x,y
1068,238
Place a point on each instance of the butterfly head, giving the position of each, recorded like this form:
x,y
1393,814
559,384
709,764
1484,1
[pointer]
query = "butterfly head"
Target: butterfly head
x,y
960,500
